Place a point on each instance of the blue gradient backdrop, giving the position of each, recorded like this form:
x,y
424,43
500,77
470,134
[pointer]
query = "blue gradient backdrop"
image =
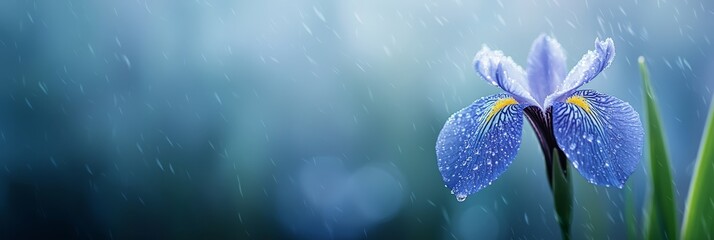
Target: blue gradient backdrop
x,y
307,119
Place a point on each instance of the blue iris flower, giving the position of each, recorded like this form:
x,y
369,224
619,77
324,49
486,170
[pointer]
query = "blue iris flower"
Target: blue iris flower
x,y
601,135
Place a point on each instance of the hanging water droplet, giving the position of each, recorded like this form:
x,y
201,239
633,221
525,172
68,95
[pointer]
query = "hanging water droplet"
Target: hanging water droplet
x,y
460,197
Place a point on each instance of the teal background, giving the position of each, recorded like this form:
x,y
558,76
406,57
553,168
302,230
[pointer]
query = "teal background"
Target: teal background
x,y
307,119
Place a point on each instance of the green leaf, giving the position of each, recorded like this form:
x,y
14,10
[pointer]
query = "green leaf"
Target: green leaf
x,y
652,228
699,212
662,217
562,195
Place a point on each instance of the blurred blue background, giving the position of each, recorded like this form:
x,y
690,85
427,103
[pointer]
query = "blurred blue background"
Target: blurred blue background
x,y
307,119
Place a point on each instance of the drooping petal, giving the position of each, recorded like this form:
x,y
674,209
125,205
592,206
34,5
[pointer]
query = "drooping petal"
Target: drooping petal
x,y
587,68
546,67
501,71
600,134
478,143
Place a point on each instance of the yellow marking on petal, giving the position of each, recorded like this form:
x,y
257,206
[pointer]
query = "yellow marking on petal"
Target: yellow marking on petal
x,y
500,104
580,102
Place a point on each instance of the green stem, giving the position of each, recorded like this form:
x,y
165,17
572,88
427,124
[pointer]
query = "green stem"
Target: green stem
x,y
562,189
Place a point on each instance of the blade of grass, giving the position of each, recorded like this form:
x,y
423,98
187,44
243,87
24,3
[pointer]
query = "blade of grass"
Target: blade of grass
x,y
562,195
662,219
652,221
699,211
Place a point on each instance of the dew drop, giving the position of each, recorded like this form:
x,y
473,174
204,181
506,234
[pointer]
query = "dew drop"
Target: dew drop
x,y
460,197
572,146
575,164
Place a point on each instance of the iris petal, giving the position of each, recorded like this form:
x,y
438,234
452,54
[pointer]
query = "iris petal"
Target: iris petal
x,y
546,67
600,134
589,66
478,143
502,71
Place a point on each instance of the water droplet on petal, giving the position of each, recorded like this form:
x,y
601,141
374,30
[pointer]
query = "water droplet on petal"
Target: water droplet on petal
x,y
572,146
460,197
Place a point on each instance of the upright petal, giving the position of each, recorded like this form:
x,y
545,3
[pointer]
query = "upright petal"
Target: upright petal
x,y
501,71
546,67
601,135
587,68
478,143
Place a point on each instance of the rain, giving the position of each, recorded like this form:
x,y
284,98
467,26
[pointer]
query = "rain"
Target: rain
x,y
312,119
